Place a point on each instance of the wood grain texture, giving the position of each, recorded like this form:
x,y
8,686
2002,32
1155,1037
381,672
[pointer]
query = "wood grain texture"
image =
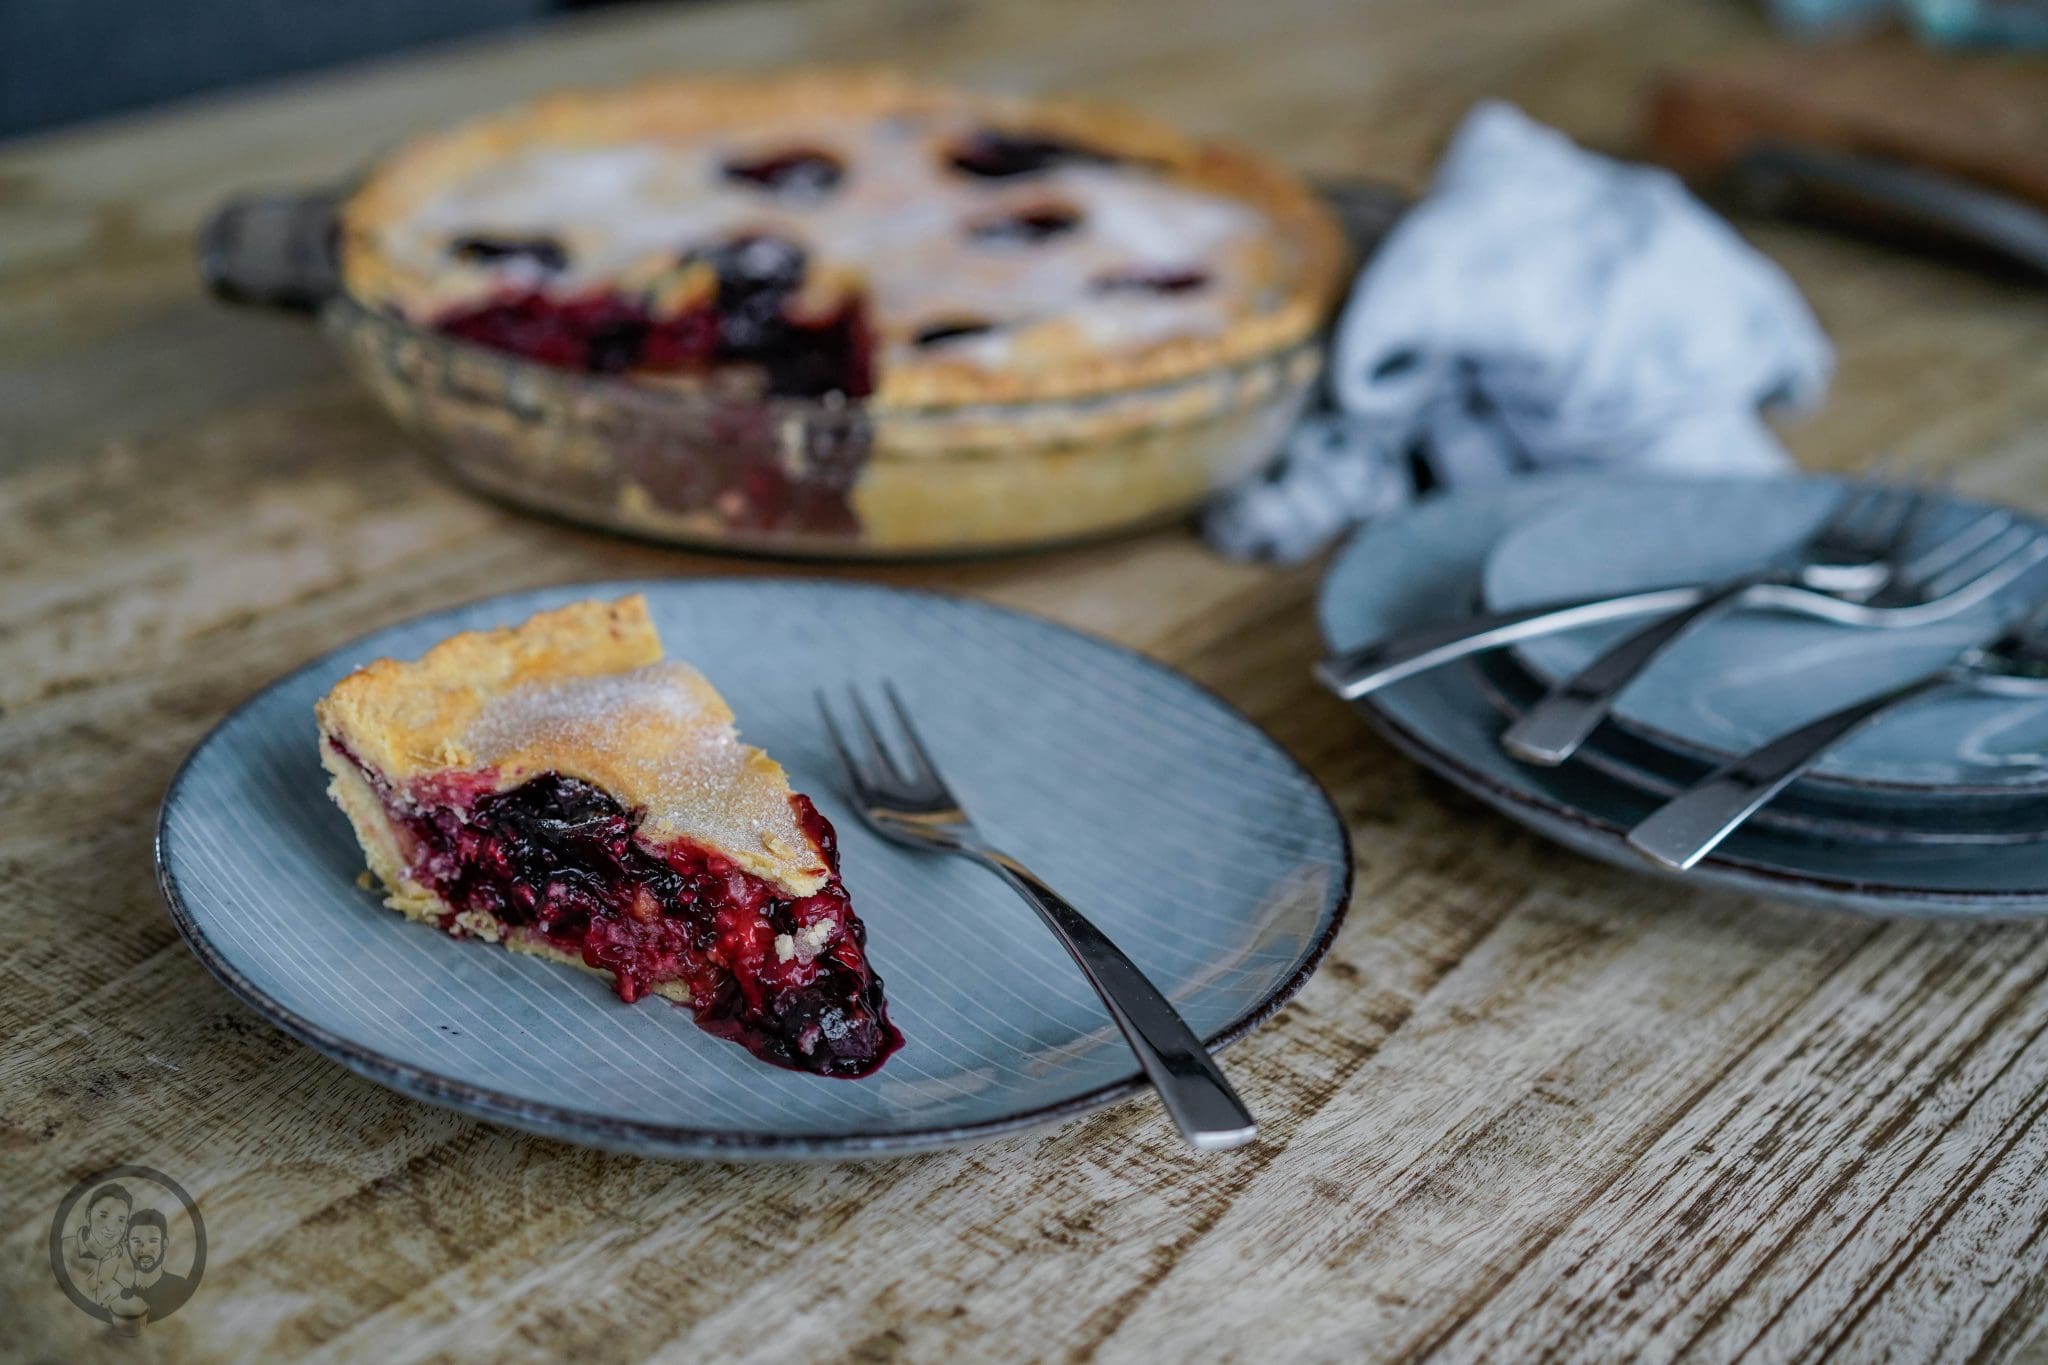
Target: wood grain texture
x,y
1531,1106
1983,119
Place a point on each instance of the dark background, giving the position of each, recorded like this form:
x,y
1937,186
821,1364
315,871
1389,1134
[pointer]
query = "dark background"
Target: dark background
x,y
66,60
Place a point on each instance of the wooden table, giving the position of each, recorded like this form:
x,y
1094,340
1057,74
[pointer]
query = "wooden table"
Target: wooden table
x,y
1530,1104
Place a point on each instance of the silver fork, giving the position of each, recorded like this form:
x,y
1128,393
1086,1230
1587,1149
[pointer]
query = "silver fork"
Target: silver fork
x,y
1859,553
1692,824
1380,663
909,802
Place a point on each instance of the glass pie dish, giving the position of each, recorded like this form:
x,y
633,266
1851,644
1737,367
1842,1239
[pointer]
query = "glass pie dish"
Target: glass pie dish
x,y
851,473
828,477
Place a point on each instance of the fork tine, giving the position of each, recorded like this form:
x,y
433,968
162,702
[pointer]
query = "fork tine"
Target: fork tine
x,y
878,750
2004,557
921,758
1938,559
839,746
1872,493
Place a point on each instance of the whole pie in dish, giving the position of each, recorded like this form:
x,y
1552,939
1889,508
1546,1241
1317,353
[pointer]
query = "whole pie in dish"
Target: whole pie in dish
x,y
844,233
562,790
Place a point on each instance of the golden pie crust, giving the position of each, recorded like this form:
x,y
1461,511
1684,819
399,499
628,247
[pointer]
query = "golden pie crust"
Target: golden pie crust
x,y
582,691
1285,274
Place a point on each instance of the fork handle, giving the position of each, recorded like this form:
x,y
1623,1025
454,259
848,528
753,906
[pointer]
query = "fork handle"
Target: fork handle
x,y
1692,824
1204,1107
1370,667
1552,730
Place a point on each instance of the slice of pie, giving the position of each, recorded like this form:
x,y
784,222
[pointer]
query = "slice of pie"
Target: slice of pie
x,y
561,789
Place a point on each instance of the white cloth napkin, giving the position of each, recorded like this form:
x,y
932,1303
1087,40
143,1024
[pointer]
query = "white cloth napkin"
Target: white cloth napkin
x,y
1541,308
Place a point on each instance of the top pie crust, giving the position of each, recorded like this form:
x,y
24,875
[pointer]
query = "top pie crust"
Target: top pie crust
x,y
581,691
628,179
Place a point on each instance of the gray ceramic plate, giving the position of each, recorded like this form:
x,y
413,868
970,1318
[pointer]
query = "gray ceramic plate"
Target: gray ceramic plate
x,y
1425,565
1191,838
1742,677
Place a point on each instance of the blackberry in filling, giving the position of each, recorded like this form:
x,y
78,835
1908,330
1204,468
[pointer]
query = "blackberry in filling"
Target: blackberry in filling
x,y
555,859
993,154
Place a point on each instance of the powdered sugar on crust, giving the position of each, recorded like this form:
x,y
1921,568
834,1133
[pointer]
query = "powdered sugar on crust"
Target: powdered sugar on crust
x,y
662,741
1168,255
900,221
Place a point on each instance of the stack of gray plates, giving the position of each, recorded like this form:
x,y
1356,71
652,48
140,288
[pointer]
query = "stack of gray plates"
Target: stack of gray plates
x,y
1940,808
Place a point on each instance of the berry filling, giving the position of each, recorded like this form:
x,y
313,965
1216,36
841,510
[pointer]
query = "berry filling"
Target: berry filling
x,y
802,174
1027,228
599,333
994,154
747,321
758,276
545,252
555,860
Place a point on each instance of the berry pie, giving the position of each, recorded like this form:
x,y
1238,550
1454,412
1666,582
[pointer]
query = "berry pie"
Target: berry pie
x,y
562,790
848,233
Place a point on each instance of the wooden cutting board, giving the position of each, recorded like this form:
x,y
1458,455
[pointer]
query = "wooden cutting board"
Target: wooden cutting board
x,y
1980,118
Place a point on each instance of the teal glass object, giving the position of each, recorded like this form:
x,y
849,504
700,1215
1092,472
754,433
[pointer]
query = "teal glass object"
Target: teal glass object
x,y
1982,23
1811,18
1943,23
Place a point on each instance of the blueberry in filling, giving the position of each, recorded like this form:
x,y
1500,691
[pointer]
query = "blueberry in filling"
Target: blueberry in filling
x,y
555,860
993,154
758,277
801,174
545,252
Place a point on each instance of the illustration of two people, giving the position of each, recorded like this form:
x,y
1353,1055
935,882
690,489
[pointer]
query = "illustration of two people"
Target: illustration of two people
x,y
117,1259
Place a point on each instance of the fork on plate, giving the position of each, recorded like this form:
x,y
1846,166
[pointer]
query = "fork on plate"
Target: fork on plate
x,y
1863,552
901,796
1835,588
1692,824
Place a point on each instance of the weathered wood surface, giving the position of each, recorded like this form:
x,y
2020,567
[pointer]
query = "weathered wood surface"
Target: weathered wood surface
x,y
1531,1105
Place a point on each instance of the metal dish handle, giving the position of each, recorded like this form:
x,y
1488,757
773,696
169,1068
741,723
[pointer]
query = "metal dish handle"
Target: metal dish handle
x,y
278,250
1776,176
